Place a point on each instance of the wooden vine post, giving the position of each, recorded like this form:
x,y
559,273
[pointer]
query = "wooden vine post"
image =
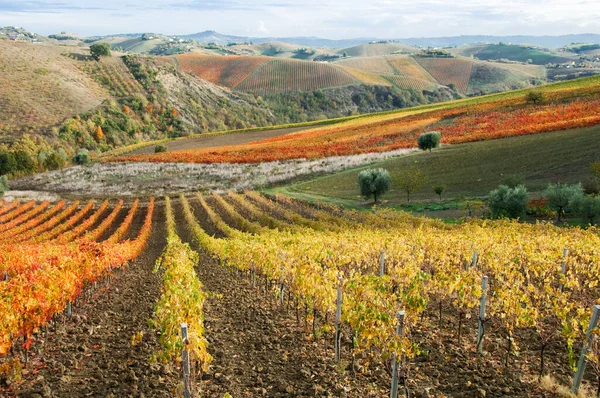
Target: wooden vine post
x,y
581,364
474,259
185,357
382,263
338,322
395,367
481,331
563,267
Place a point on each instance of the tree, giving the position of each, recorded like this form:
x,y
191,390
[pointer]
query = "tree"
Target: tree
x,y
513,180
160,149
8,163
591,186
374,182
82,157
99,50
534,97
430,140
99,136
25,162
54,161
508,202
595,169
410,180
439,190
587,206
560,195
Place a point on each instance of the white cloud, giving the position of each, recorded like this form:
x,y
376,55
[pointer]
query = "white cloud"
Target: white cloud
x,y
325,18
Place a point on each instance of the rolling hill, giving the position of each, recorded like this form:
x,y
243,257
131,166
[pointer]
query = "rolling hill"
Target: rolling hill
x,y
377,49
518,53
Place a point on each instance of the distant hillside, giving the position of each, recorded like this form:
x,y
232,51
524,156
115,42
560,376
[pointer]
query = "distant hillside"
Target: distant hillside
x,y
536,56
377,49
467,76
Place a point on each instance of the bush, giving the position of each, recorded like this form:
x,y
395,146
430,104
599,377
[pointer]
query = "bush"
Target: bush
x,y
160,149
4,186
430,140
24,162
507,202
8,163
534,97
82,157
587,206
560,196
54,161
374,182
591,186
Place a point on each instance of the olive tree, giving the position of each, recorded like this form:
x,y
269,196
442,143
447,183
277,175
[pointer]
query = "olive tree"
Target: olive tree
x,y
428,141
587,206
560,196
374,182
507,202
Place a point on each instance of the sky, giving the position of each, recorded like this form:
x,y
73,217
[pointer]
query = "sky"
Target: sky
x,y
334,19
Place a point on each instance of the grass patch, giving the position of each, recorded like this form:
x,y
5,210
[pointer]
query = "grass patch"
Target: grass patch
x,y
471,170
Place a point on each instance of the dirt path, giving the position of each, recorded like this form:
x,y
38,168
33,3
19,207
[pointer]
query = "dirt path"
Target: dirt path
x,y
220,140
92,354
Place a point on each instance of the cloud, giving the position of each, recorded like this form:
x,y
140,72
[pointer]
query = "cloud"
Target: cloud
x,y
262,28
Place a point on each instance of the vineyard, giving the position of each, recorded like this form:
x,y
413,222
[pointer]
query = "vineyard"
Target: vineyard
x,y
377,65
407,66
411,83
227,71
114,75
281,75
567,106
366,77
447,71
335,282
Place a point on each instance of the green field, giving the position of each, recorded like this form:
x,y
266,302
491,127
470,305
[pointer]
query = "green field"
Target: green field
x,y
518,53
472,170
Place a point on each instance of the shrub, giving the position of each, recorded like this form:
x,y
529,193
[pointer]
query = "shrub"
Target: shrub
x,y
591,186
560,196
160,148
595,169
513,180
587,206
534,97
430,140
24,162
82,157
507,202
4,186
54,161
374,182
8,163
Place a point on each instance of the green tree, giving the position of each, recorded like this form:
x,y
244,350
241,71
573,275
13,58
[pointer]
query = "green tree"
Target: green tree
x,y
587,206
99,50
82,157
160,149
54,161
8,163
534,97
430,140
410,180
374,182
508,202
25,162
439,190
560,196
